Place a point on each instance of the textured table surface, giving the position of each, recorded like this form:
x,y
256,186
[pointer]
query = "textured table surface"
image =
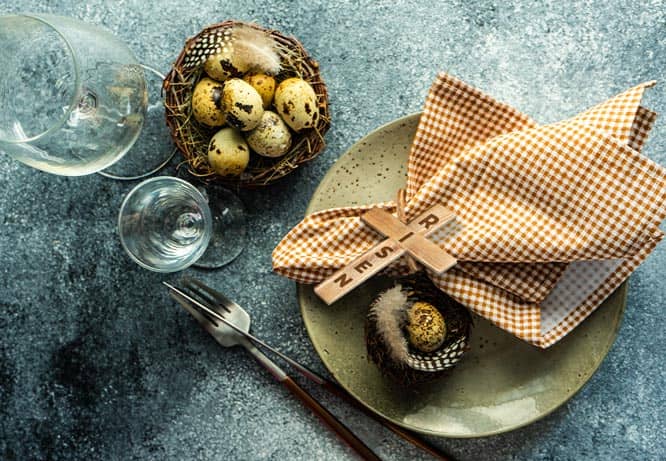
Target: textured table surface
x,y
97,363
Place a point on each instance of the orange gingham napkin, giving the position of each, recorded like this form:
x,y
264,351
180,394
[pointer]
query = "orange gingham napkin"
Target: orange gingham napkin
x,y
550,219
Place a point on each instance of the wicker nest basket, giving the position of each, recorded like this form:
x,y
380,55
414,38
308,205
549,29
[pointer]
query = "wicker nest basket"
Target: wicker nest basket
x,y
421,367
192,138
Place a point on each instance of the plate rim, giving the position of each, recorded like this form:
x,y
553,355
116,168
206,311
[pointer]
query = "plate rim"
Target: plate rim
x,y
302,292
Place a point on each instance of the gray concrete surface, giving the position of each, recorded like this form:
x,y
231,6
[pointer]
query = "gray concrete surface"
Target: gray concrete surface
x,y
97,363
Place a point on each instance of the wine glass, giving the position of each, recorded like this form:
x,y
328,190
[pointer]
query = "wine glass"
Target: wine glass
x,y
73,98
166,225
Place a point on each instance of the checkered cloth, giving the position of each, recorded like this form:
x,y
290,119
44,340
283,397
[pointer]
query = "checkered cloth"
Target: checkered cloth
x,y
550,219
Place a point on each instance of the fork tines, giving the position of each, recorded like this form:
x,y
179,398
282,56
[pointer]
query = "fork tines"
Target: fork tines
x,y
207,295
194,297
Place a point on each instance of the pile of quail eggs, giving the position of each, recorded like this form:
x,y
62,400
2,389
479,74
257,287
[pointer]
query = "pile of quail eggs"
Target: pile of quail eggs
x,y
255,114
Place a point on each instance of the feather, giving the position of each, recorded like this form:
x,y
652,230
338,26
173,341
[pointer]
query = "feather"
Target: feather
x,y
389,312
256,49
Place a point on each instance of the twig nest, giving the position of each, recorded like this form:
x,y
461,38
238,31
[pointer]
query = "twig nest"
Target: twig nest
x,y
271,138
263,59
241,104
228,153
207,103
414,332
296,102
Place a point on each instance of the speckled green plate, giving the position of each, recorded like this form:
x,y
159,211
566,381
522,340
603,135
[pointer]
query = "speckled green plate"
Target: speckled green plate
x,y
501,384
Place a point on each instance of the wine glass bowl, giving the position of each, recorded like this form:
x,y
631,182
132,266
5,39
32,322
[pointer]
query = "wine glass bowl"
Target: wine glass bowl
x,y
73,96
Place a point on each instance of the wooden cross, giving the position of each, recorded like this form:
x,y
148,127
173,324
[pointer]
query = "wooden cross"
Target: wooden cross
x,y
402,238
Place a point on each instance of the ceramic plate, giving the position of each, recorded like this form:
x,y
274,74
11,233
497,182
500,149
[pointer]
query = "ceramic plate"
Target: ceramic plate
x,y
501,384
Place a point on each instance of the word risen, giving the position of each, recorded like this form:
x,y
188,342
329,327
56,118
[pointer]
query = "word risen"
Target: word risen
x,y
402,238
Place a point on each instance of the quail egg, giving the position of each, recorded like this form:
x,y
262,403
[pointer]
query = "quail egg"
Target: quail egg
x,y
296,102
265,86
241,104
426,327
222,66
228,153
206,102
271,138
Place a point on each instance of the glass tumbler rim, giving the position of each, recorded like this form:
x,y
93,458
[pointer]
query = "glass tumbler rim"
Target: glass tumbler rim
x,y
76,94
208,220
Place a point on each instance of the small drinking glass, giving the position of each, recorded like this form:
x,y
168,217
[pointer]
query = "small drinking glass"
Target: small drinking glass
x,y
166,225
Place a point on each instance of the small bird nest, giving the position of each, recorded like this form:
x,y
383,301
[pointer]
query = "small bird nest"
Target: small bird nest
x,y
192,138
384,339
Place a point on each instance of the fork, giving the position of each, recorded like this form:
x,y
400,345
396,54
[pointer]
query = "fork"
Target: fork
x,y
205,298
219,321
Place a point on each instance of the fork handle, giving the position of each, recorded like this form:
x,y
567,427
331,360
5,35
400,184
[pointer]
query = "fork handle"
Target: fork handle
x,y
340,429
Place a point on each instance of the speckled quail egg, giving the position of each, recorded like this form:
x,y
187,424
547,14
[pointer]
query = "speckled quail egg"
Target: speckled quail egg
x,y
265,86
242,105
426,327
206,103
296,102
271,138
223,65
228,153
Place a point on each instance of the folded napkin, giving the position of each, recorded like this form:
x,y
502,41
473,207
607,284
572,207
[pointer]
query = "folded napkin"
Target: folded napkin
x,y
550,219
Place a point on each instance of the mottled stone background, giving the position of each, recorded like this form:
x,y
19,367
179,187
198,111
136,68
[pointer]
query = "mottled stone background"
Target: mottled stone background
x,y
97,363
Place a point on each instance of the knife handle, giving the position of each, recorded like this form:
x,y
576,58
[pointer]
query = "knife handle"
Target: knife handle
x,y
331,421
335,389
317,408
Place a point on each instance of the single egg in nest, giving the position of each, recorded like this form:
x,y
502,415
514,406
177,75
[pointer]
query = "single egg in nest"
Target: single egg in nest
x,y
207,103
265,86
228,153
426,327
296,102
242,105
271,138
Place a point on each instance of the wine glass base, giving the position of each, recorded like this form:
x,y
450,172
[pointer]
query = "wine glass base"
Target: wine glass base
x,y
229,229
126,168
153,150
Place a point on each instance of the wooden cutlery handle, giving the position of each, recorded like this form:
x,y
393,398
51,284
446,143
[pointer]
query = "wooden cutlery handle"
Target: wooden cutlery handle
x,y
340,429
335,389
